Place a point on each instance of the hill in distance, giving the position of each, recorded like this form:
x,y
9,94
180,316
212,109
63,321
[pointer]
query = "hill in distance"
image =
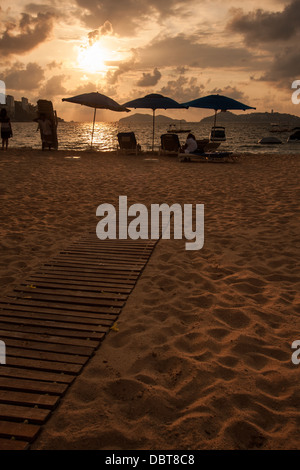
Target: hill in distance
x,y
147,118
253,118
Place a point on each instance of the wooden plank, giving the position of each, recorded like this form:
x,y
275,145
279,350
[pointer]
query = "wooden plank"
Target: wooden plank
x,y
55,331
73,354
24,310
86,279
73,293
100,267
64,306
22,431
13,444
21,373
93,327
92,274
71,299
107,260
104,255
52,339
56,316
24,398
48,366
116,254
45,355
26,305
22,413
54,282
26,385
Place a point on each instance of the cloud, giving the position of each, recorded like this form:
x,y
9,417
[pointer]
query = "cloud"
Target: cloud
x,y
284,69
54,64
185,50
126,16
54,87
112,76
40,8
149,79
264,26
94,36
182,89
231,92
27,34
21,77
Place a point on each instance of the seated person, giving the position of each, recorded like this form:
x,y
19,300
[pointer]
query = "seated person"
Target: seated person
x,y
190,144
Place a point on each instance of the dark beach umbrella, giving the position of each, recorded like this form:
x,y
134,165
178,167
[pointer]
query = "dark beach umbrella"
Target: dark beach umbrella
x,y
97,101
218,103
154,101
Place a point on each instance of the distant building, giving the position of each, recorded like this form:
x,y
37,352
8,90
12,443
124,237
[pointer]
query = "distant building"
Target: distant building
x,y
24,102
10,105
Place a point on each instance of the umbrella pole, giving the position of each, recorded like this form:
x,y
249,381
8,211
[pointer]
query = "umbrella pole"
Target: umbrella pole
x,y
215,121
153,130
93,127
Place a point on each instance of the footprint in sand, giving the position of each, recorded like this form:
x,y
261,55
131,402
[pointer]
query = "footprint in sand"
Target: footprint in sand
x,y
233,318
245,435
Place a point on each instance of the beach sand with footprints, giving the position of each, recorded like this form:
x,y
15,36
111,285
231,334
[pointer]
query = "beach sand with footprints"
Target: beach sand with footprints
x,y
201,356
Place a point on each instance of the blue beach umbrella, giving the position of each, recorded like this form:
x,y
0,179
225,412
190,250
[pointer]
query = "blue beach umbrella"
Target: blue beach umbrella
x,y
218,103
154,101
97,101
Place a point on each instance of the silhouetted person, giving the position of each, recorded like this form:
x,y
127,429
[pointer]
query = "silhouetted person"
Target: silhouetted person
x,y
190,144
6,130
45,127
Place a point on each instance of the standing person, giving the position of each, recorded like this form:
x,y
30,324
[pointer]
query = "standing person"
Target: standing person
x,y
45,127
6,130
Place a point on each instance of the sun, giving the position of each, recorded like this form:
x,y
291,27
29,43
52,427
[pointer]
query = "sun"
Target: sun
x,y
92,58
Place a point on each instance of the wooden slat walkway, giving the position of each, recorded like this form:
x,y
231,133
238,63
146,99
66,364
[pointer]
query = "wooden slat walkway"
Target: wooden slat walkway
x,y
54,322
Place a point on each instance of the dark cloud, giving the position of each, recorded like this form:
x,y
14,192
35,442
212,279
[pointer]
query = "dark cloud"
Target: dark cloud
x,y
182,89
126,16
112,76
95,35
284,69
184,50
53,87
21,77
149,79
265,26
29,32
54,65
230,91
40,8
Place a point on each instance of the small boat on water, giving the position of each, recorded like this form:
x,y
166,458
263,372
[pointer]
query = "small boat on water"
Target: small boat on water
x,y
270,141
173,129
217,134
295,137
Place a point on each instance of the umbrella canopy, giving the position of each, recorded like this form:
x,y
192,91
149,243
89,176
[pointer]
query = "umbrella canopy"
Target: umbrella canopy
x,y
154,101
218,103
97,101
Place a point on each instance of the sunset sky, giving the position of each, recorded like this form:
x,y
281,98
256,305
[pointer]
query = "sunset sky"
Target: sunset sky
x,y
126,49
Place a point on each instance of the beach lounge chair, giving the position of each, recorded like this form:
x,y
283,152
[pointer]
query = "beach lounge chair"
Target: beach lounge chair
x,y
216,157
169,144
127,143
205,145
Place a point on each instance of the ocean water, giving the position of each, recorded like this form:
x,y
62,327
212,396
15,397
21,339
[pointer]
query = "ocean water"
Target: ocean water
x,y
77,136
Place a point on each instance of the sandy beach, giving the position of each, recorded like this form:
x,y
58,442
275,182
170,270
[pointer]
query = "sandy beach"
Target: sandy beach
x,y
202,355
